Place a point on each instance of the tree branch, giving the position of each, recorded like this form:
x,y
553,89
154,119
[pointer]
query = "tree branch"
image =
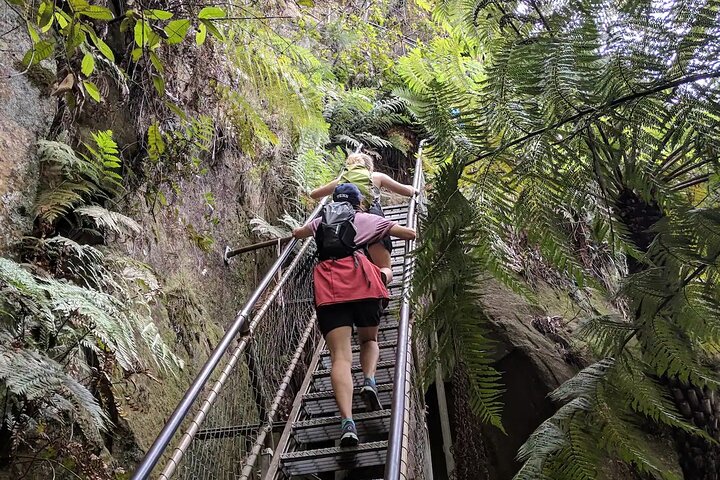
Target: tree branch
x,y
590,110
542,17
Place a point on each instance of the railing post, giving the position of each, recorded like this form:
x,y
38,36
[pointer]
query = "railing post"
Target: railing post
x,y
443,411
395,441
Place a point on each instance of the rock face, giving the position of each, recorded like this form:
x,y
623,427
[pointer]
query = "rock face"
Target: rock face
x,y
183,233
533,364
26,112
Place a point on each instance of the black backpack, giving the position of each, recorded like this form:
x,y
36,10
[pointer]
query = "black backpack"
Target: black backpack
x,y
335,236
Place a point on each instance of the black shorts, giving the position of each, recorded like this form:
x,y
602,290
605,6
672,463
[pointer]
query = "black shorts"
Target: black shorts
x,y
363,313
376,209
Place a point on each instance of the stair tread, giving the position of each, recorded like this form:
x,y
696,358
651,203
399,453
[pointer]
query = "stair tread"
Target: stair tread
x,y
396,206
355,368
334,458
335,420
386,351
386,387
356,348
369,424
384,335
384,374
322,403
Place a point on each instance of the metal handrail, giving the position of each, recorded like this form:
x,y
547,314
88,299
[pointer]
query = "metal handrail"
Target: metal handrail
x,y
397,417
165,436
212,396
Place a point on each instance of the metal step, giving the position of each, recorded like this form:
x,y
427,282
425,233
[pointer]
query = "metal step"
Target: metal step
x,y
400,219
395,288
334,459
397,253
393,307
387,353
397,268
323,403
235,430
384,374
396,215
386,333
395,208
316,430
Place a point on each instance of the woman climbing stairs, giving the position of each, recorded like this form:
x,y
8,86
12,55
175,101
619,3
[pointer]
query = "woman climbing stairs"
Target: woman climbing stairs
x,y
308,445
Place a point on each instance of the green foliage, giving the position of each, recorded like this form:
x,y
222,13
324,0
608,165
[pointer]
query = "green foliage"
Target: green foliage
x,y
48,328
599,407
37,378
362,42
113,221
590,129
280,79
108,323
70,179
178,152
358,118
81,319
314,165
448,272
265,229
72,29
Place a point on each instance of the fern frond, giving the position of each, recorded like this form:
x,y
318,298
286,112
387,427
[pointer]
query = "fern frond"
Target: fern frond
x,y
448,272
606,334
35,377
624,439
113,221
70,179
162,354
585,382
264,229
55,202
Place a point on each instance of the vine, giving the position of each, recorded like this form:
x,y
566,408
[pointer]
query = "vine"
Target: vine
x,y
71,29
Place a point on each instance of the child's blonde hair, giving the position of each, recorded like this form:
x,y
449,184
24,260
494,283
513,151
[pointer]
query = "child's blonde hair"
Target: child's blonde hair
x,y
360,159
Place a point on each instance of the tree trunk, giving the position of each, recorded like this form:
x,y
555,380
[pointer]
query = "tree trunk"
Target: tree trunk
x,y
699,459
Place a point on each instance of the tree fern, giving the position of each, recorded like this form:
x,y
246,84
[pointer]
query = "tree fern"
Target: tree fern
x,y
603,115
449,274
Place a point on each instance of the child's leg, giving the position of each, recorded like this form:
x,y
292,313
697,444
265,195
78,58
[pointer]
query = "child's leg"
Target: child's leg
x,y
380,256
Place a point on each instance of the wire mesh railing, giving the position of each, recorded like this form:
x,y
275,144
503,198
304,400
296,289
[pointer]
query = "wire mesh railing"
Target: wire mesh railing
x,y
407,444
416,444
258,389
246,371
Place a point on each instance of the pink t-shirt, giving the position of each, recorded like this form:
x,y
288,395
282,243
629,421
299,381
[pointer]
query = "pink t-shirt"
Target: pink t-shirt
x,y
369,228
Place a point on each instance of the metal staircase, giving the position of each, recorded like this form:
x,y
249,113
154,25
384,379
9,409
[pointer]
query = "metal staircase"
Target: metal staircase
x,y
308,444
262,406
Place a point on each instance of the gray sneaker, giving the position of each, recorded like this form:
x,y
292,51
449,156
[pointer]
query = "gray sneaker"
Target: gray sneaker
x,y
349,437
369,394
